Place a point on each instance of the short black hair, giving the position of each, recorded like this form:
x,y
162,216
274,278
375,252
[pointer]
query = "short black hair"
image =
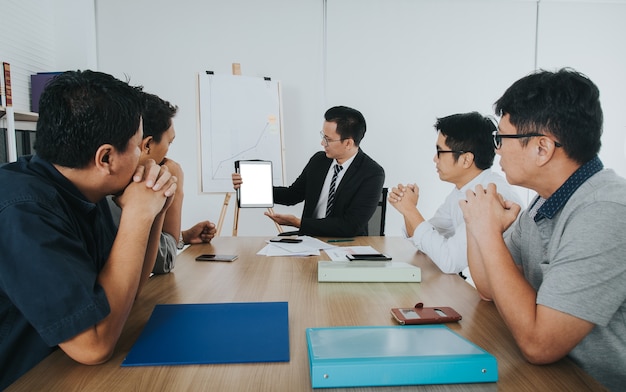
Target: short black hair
x,y
469,132
564,104
350,122
81,110
157,116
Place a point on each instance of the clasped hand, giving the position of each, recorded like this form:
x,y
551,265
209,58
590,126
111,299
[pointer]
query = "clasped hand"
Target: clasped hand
x,y
404,197
485,211
151,190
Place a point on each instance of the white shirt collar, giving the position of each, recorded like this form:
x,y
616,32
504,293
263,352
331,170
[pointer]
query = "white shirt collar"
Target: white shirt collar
x,y
475,181
346,164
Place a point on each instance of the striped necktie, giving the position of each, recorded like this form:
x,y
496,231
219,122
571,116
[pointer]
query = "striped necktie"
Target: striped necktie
x,y
331,192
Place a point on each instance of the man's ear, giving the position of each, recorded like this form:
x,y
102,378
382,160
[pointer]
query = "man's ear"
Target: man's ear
x,y
545,148
145,144
468,159
103,156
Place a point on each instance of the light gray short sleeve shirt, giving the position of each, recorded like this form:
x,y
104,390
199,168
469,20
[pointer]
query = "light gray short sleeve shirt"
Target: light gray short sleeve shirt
x,y
577,263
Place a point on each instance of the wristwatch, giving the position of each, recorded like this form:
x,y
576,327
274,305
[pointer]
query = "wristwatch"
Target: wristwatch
x,y
181,242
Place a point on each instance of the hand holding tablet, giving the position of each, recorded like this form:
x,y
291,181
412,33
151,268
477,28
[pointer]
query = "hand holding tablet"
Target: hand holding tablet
x,y
256,189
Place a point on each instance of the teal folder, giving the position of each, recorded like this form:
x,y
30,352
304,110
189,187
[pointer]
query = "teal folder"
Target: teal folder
x,y
398,355
186,334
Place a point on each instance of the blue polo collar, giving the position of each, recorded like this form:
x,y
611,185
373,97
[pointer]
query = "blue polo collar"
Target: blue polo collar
x,y
558,199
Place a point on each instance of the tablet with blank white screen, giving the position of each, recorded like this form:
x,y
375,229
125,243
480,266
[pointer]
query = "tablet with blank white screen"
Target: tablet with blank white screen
x,y
256,189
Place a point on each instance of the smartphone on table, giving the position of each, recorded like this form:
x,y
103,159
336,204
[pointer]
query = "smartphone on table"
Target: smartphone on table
x,y
214,257
368,256
425,315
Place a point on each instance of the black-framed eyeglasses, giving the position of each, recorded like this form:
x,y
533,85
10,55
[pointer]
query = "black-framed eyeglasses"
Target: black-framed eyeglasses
x,y
439,152
497,138
327,140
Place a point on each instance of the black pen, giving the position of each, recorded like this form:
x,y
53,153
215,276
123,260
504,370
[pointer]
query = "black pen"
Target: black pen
x,y
342,240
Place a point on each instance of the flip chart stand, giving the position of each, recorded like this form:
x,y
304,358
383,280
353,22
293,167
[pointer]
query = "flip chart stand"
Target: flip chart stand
x,y
236,69
220,222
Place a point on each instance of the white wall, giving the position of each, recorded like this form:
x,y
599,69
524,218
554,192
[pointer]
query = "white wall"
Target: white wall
x,y
26,43
402,62
74,33
45,36
413,61
163,44
589,36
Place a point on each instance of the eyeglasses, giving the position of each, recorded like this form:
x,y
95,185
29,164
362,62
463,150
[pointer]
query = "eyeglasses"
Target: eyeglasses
x,y
327,140
439,152
497,138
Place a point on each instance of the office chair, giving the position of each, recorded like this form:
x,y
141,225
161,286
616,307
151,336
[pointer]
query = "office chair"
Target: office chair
x,y
376,224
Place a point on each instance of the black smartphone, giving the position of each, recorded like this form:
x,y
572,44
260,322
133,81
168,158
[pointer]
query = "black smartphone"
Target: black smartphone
x,y
368,256
212,257
287,240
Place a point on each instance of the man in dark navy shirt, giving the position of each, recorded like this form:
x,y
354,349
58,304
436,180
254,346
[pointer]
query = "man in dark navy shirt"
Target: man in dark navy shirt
x,y
68,278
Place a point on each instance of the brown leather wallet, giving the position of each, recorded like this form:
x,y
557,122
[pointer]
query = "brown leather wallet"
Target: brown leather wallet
x,y
421,315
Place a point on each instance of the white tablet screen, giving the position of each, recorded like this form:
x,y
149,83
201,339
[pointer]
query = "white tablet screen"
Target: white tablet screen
x,y
256,189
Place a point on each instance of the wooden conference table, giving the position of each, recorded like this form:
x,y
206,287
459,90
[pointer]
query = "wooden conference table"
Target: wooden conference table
x,y
254,278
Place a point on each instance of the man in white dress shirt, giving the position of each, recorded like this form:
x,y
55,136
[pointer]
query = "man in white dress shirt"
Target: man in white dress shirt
x,y
464,156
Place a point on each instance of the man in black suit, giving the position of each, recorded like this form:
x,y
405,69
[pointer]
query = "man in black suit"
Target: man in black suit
x,y
335,205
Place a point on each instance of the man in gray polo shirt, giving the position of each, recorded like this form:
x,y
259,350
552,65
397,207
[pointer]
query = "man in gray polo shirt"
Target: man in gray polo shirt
x,y
558,277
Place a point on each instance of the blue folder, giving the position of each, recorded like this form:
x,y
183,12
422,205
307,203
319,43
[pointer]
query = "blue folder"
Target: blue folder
x,y
186,334
398,355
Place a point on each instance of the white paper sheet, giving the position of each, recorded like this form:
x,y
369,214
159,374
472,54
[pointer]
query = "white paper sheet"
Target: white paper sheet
x,y
308,247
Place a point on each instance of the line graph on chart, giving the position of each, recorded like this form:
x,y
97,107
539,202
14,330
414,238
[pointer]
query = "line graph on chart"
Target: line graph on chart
x,y
239,120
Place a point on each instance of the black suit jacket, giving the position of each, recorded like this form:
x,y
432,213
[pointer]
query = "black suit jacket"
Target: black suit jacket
x,y
356,197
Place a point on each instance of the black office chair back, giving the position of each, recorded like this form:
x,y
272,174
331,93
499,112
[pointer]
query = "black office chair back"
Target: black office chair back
x,y
376,224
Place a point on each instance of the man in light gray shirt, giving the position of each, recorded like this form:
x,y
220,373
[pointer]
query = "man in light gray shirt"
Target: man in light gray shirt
x,y
558,277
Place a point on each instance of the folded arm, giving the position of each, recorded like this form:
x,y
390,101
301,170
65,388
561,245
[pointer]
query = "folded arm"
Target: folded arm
x,y
543,334
404,198
130,261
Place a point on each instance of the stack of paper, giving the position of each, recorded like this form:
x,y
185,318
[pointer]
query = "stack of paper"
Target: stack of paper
x,y
308,247
367,271
340,269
